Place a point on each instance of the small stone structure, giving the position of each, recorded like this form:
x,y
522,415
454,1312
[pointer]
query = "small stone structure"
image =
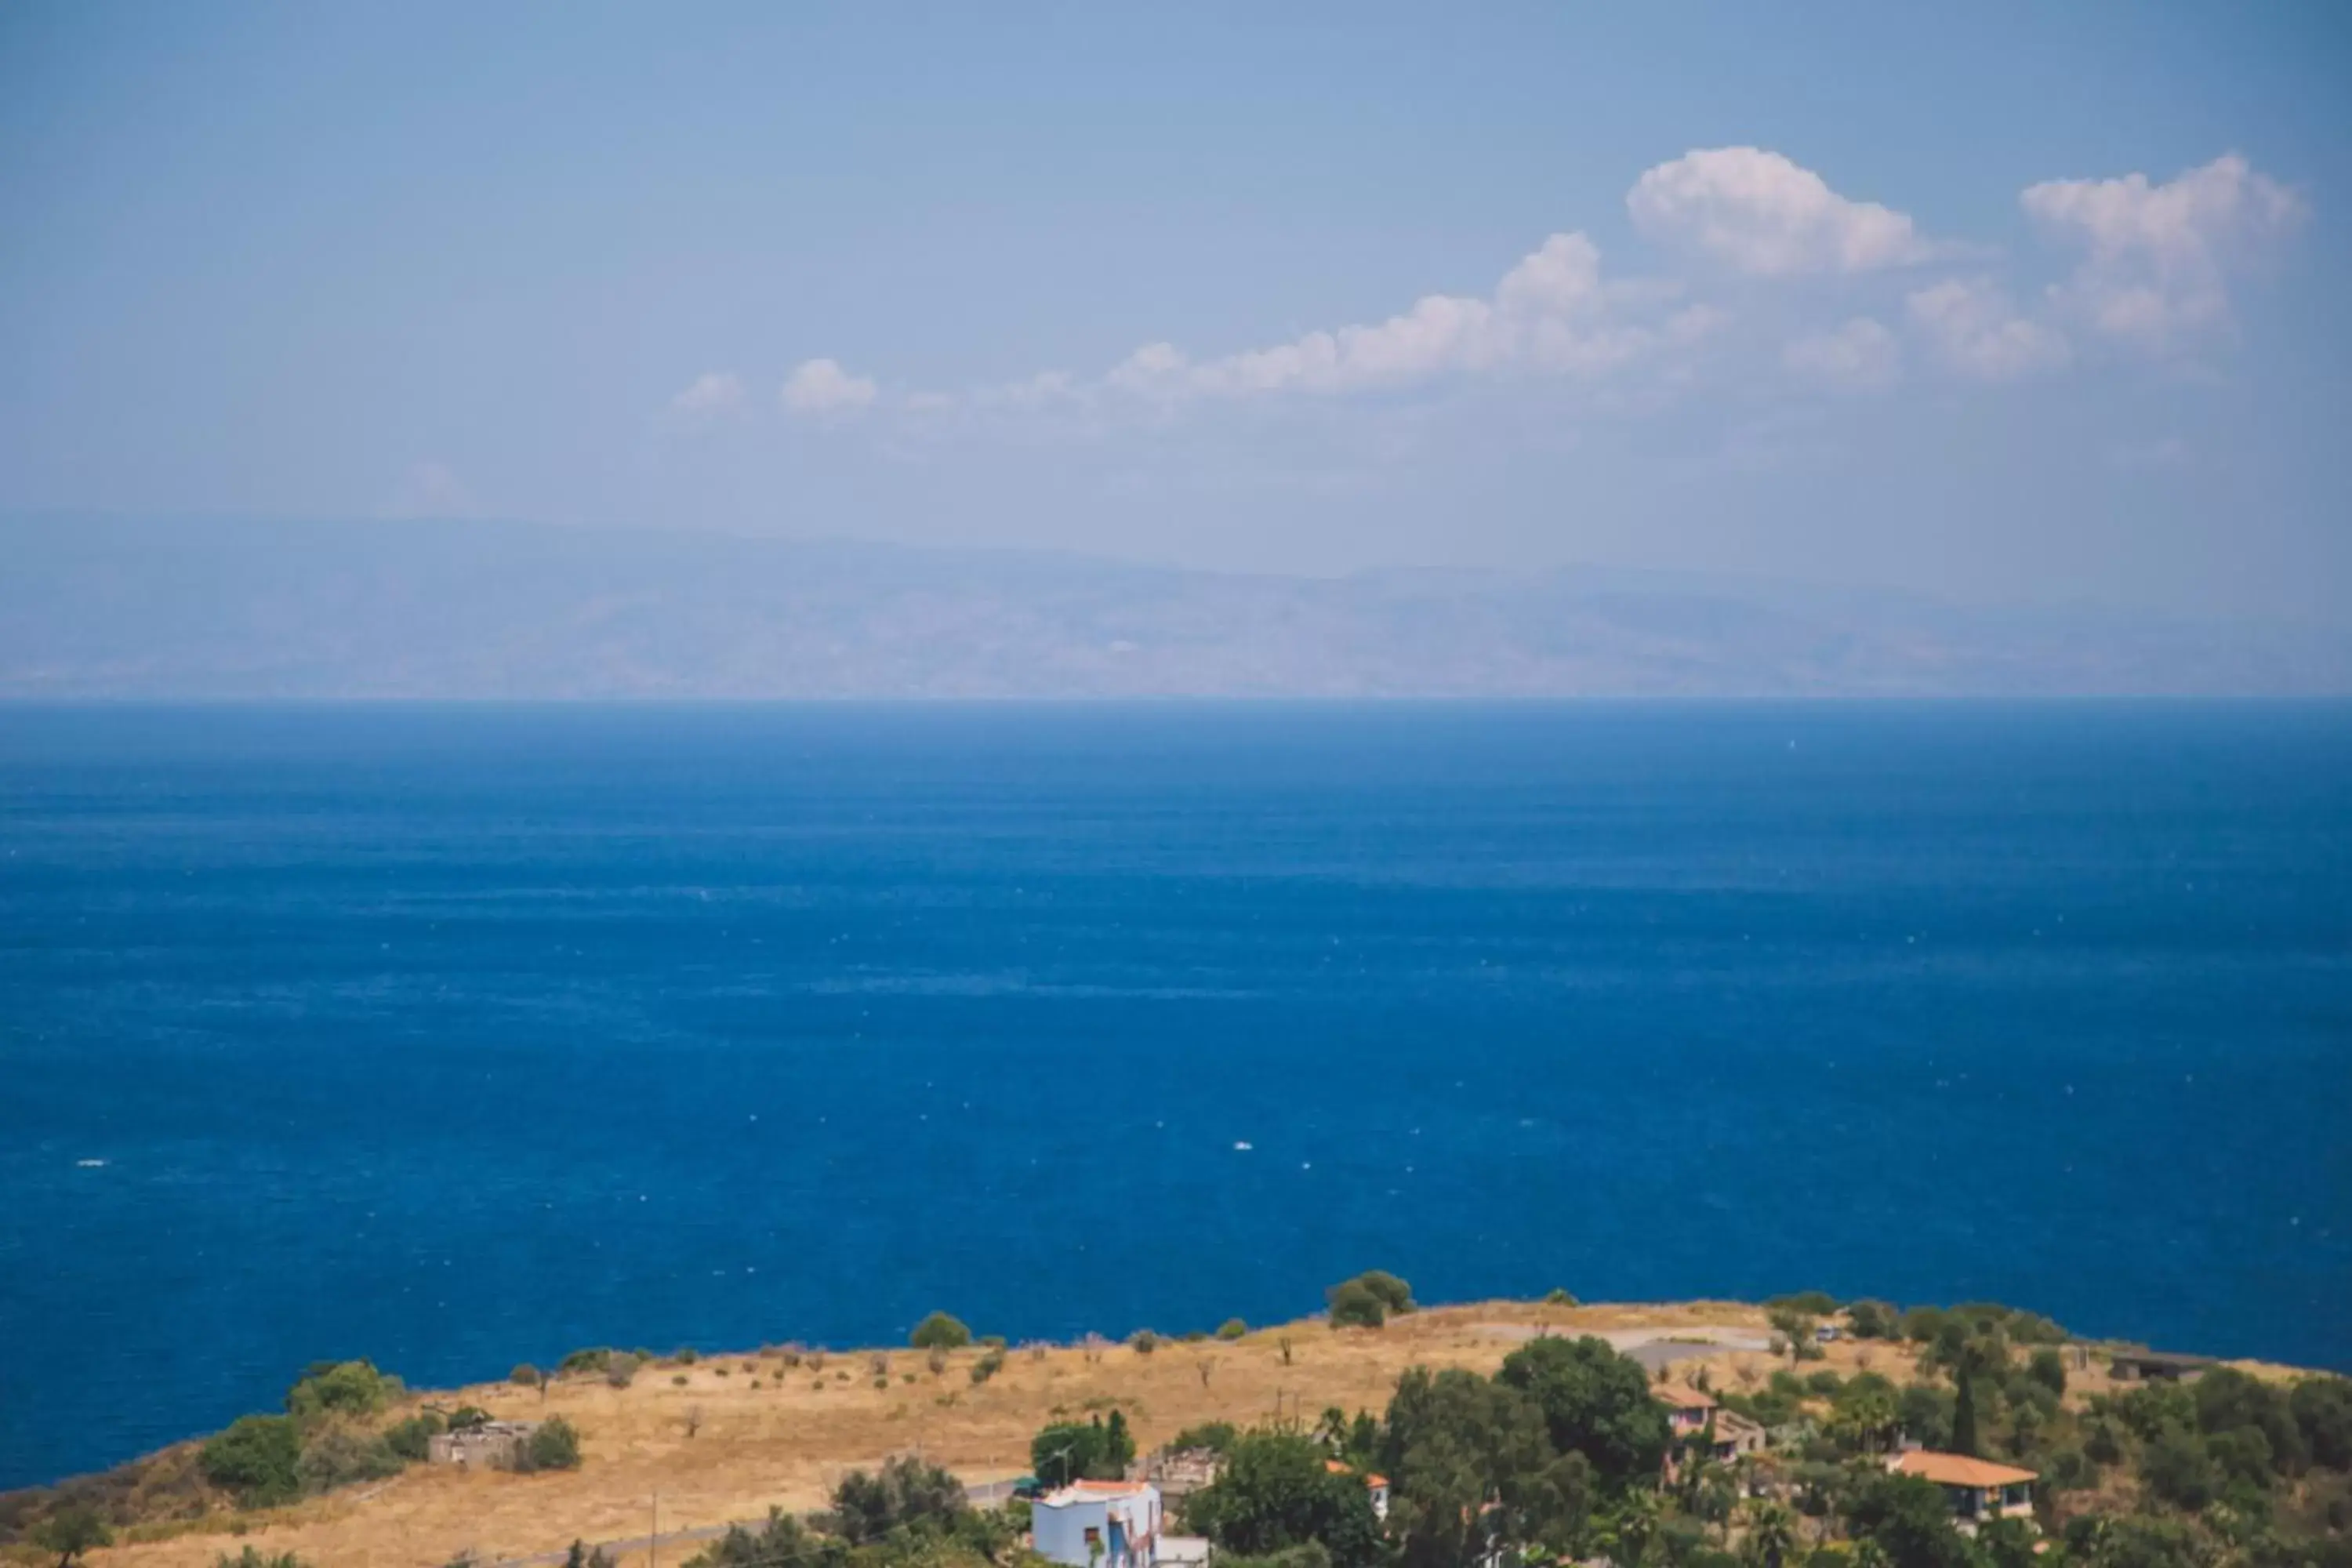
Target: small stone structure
x,y
492,1445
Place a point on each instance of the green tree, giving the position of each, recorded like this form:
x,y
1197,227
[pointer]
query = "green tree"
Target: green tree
x,y
2322,1407
782,1542
1394,1292
1354,1305
2177,1468
1232,1328
1594,1402
1910,1522
939,1332
1468,1463
255,1458
1276,1493
339,1456
340,1388
907,1493
72,1531
1772,1535
1873,1320
554,1445
1964,1416
2048,1368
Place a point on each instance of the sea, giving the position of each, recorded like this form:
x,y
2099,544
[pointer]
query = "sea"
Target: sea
x,y
459,1037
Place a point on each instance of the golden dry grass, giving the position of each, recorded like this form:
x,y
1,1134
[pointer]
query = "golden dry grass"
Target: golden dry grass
x,y
786,1442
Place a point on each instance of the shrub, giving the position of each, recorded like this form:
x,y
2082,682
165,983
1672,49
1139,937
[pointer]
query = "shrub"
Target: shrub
x,y
466,1418
993,1342
2322,1407
252,1558
1394,1292
1353,1305
677,1380
71,1531
1143,1341
1557,1297
340,1388
255,1459
907,1492
524,1375
554,1445
620,1370
986,1367
1811,1303
412,1439
1824,1383
2177,1468
338,1455
939,1332
2048,1368
1232,1328
1873,1320
594,1360
1215,1436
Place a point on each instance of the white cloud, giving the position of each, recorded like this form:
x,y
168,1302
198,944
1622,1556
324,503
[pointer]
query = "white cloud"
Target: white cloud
x,y
1859,354
822,386
430,488
713,391
1550,313
1759,212
2159,256
1977,331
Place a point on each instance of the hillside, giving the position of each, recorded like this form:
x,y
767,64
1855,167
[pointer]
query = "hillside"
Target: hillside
x,y
213,609
726,1437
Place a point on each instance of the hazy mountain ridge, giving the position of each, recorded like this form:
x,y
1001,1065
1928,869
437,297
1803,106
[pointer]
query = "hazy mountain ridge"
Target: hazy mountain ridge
x,y
115,608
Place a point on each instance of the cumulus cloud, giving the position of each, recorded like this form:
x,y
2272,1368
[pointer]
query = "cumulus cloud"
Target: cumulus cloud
x,y
2157,256
1759,213
1859,353
822,386
1550,313
713,391
1976,330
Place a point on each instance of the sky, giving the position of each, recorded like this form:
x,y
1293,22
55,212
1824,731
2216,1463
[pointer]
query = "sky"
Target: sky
x,y
2005,302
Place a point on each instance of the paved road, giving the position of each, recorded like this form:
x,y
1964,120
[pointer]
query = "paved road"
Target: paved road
x,y
988,1494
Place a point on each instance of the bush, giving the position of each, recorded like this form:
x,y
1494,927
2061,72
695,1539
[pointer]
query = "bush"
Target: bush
x,y
907,1493
1232,1328
1215,1436
1394,1292
1143,1341
620,1370
338,1455
71,1531
251,1557
1873,1320
255,1459
939,1332
2048,1368
340,1388
554,1445
1811,1303
1556,1297
594,1360
1824,1383
1354,1305
412,1439
986,1367
2322,1407
2177,1468
686,1355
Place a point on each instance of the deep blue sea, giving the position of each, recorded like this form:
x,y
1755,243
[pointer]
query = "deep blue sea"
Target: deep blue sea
x,y
454,1037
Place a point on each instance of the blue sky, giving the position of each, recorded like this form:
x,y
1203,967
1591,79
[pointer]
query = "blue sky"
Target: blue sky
x,y
2000,301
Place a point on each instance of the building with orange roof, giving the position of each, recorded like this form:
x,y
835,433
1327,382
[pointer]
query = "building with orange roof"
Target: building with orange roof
x,y
1978,1490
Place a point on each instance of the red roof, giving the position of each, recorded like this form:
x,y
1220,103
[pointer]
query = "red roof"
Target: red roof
x,y
1674,1393
1959,1470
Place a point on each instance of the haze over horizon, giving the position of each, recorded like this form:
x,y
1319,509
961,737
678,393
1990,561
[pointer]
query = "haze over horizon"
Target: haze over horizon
x,y
2004,307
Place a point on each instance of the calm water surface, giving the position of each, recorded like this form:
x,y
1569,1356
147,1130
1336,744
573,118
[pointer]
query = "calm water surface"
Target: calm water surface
x,y
455,1038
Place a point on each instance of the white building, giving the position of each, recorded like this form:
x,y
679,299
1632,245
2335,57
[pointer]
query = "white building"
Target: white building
x,y
1098,1524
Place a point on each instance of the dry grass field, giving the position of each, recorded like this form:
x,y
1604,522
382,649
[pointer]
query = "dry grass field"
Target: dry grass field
x,y
767,1436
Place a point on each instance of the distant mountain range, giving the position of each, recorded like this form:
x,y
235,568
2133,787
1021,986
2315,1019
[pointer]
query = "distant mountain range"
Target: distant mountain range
x,y
107,607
